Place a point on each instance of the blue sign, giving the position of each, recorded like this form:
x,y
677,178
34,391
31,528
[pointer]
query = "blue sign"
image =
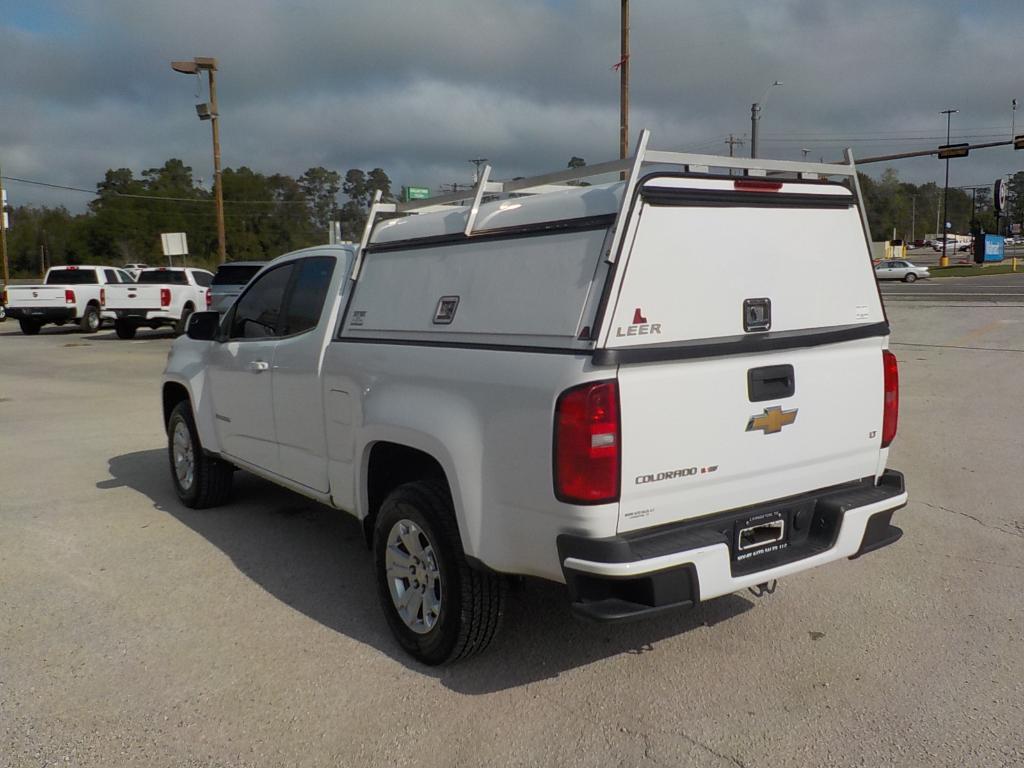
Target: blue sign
x,y
995,248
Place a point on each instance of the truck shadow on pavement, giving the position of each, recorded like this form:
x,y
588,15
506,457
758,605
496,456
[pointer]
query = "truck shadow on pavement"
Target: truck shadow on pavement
x,y
313,558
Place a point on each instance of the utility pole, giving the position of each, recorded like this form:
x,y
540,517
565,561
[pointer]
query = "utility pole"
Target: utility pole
x,y
477,161
3,231
211,113
913,218
624,82
944,261
755,117
733,142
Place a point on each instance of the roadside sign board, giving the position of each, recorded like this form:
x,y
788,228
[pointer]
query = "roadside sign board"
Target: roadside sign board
x,y
1018,142
999,196
995,248
416,193
174,243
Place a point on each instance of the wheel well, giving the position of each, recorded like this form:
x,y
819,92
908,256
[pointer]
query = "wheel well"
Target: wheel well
x,y
93,303
390,466
172,395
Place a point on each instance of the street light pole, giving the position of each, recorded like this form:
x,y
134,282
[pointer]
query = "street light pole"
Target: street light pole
x,y
211,113
755,116
3,232
624,81
944,261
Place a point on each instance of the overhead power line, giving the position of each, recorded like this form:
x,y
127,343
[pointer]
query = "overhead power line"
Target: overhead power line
x,y
149,197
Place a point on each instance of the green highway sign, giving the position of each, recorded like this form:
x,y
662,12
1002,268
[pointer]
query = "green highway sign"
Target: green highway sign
x,y
415,193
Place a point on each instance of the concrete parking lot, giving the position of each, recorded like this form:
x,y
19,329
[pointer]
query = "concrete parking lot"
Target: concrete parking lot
x,y
136,632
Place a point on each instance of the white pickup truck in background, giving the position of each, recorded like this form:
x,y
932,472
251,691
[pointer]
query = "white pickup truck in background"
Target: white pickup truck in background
x,y
162,296
568,385
68,294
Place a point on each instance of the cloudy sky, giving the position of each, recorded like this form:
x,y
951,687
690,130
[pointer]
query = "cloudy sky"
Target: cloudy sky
x,y
419,87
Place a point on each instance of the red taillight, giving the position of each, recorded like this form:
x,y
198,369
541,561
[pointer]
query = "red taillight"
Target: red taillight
x,y
3,296
69,296
103,297
891,406
165,297
587,444
209,299
746,185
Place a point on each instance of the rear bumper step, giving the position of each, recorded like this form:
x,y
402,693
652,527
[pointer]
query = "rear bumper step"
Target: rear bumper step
x,y
43,314
637,574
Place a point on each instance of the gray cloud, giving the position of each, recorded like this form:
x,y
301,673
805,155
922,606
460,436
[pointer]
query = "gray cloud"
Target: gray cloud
x,y
420,87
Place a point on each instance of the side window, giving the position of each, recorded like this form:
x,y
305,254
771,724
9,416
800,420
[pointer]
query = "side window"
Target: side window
x,y
125,277
257,312
110,275
202,278
306,299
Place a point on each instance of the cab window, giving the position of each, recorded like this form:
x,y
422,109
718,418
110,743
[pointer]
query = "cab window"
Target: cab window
x,y
306,298
257,313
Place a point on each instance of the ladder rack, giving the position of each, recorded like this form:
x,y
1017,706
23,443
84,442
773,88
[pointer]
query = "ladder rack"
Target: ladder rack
x,y
629,167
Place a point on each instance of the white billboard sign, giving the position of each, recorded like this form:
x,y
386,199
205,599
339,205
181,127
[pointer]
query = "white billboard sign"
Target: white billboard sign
x,y
174,243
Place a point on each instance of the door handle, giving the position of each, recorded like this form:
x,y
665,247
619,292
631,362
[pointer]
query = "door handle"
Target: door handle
x,y
258,366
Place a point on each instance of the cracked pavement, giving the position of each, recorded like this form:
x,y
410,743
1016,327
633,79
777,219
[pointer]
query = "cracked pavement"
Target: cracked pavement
x,y
134,632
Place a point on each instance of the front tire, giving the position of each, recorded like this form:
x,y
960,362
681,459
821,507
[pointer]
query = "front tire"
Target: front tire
x,y
29,327
200,481
124,329
439,609
90,322
909,277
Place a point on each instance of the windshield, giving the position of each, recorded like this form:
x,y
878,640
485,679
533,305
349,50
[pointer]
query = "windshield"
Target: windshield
x,y
163,277
71,277
231,274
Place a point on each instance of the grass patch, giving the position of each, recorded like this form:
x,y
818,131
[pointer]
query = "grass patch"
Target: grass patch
x,y
974,270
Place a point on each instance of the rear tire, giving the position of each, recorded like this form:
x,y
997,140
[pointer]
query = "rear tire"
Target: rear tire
x,y
452,611
182,324
909,277
124,329
200,481
90,322
29,327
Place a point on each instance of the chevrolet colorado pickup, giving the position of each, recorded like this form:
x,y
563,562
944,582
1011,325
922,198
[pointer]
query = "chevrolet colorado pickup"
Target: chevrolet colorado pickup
x,y
566,385
69,294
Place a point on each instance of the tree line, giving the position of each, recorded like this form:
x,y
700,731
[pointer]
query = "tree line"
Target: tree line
x,y
264,216
267,215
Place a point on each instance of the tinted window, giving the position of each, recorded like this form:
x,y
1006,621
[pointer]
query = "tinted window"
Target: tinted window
x,y
163,277
202,278
230,274
111,275
258,310
71,277
125,277
306,299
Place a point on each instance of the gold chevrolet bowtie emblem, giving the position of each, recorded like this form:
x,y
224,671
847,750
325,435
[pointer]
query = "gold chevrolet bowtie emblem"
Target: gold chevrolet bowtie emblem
x,y
772,420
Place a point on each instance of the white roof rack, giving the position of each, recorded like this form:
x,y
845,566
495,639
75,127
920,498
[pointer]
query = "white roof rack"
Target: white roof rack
x,y
629,167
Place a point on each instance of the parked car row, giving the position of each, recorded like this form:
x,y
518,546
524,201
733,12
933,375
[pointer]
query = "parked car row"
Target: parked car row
x,y
151,297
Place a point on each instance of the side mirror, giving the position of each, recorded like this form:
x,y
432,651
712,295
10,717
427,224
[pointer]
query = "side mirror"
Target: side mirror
x,y
203,326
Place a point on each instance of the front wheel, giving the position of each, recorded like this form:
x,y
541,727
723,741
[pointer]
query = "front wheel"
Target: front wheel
x,y
124,329
3,313
201,481
439,609
910,277
29,327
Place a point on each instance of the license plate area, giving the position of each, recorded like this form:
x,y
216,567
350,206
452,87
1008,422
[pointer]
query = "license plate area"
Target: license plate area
x,y
760,534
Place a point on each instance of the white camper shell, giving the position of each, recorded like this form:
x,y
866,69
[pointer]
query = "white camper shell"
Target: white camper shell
x,y
590,384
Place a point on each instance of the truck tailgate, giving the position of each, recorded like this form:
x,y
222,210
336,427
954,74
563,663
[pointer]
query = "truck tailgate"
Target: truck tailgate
x,y
749,333
35,296
133,296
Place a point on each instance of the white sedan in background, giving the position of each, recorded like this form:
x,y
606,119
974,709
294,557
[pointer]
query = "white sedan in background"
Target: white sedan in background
x,y
900,270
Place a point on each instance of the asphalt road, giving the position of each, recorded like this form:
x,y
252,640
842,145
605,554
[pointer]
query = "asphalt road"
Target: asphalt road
x,y
135,632
1005,288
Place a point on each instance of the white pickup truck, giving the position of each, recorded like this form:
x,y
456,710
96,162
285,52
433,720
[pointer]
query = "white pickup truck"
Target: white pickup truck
x,y
575,385
69,294
161,296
